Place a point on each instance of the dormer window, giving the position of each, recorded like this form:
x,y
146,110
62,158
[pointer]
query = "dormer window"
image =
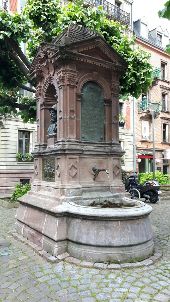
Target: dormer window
x,y
118,4
159,39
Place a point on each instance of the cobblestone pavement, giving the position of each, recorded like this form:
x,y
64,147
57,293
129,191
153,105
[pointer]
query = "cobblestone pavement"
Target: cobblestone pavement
x,y
25,276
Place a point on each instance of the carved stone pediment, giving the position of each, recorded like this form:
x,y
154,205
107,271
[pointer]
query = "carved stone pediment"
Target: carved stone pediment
x,y
97,48
78,43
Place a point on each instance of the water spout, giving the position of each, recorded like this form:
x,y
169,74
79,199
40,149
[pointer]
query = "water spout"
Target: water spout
x,y
96,172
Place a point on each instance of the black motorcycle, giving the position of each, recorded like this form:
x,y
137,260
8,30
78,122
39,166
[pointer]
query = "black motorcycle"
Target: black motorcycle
x,y
149,190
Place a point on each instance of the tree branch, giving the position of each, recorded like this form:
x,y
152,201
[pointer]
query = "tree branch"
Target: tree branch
x,y
14,46
20,64
31,89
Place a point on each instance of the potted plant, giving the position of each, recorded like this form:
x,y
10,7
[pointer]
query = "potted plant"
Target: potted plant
x,y
19,156
27,157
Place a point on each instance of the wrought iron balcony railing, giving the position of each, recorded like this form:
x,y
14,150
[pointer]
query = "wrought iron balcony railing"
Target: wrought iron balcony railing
x,y
113,11
143,105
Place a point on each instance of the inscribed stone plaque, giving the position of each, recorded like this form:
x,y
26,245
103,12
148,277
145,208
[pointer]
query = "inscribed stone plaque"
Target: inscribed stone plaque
x,y
92,113
48,169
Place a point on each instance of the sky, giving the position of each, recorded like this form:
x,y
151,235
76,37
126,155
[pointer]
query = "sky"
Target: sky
x,y
147,10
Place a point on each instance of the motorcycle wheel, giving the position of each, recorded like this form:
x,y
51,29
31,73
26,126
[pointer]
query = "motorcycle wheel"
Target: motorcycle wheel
x,y
153,197
134,193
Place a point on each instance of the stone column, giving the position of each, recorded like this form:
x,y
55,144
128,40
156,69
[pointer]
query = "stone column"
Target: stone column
x,y
66,79
115,113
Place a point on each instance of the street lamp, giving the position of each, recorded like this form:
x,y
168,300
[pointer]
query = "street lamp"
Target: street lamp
x,y
154,109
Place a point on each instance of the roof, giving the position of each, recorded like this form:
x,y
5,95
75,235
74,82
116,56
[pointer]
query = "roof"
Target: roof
x,y
73,34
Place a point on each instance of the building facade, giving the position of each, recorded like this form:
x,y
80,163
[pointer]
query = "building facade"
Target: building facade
x,y
16,144
17,140
145,134
152,112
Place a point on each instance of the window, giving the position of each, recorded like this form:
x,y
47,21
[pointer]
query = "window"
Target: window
x,y
117,12
165,133
163,70
23,142
145,130
24,181
159,39
164,102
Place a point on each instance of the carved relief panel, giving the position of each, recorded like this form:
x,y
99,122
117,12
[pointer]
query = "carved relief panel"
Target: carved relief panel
x,y
48,168
92,113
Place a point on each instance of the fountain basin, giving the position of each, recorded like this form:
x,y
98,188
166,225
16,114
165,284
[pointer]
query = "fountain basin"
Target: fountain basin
x,y
93,234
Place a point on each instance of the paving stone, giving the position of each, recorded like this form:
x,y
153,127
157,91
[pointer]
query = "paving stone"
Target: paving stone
x,y
162,298
4,243
88,299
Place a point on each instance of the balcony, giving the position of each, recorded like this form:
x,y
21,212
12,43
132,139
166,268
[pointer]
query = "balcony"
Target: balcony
x,y
113,11
143,105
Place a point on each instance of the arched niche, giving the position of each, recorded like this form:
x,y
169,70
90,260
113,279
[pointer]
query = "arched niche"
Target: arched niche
x,y
50,101
92,112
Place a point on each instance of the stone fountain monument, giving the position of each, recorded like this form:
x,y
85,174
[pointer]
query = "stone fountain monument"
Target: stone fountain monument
x,y
77,203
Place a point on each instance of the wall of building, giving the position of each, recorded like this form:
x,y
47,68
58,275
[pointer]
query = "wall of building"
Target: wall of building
x,y
154,95
12,171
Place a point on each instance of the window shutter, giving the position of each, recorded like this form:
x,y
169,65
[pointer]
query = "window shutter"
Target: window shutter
x,y
145,129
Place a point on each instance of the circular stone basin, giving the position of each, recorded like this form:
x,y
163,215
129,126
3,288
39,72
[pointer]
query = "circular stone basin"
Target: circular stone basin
x,y
110,234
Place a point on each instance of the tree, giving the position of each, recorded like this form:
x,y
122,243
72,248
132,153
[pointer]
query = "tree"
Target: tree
x,y
165,12
40,22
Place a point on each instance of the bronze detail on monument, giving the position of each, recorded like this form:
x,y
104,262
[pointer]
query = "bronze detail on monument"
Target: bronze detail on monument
x,y
52,128
48,170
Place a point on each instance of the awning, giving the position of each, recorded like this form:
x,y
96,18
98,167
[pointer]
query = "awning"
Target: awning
x,y
145,156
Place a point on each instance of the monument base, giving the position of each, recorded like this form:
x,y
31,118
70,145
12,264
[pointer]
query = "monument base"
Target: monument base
x,y
88,233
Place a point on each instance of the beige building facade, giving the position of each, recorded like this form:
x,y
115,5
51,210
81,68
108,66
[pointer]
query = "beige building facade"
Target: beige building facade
x,y
17,141
153,114
145,134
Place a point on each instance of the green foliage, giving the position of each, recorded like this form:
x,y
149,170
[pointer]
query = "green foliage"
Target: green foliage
x,y
27,157
138,76
15,26
41,21
168,48
165,12
9,67
163,179
11,100
19,191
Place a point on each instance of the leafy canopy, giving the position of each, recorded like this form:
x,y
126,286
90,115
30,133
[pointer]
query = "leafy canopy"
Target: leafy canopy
x,y
41,21
165,12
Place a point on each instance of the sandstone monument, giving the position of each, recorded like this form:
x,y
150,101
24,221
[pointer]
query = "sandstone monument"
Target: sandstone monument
x,y
78,203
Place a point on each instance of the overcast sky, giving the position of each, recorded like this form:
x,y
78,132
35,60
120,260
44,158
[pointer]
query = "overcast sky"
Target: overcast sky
x,y
148,10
